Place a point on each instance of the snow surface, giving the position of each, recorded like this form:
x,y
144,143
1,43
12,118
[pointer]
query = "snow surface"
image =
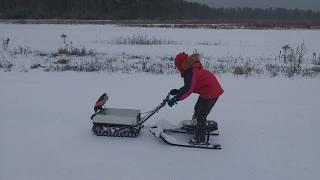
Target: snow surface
x,y
269,129
233,42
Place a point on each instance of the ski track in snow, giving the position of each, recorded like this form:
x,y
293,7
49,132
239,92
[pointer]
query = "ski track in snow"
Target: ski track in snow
x,y
268,129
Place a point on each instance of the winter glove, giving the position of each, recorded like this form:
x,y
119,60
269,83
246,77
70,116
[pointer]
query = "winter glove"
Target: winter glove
x,y
172,101
174,92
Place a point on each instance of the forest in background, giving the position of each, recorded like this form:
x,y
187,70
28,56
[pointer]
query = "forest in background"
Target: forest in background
x,y
146,10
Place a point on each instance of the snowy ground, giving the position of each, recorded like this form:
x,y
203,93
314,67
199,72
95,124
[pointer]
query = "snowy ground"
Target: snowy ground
x,y
269,129
210,42
133,49
269,126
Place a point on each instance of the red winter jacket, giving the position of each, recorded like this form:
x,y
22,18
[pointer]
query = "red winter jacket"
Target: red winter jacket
x,y
197,80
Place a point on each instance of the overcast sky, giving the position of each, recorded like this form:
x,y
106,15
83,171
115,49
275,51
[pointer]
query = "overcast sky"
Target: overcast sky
x,y
291,4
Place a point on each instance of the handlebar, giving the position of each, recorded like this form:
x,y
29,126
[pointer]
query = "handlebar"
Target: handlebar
x,y
155,110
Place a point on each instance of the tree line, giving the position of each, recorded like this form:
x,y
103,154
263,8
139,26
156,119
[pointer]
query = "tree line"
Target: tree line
x,y
143,10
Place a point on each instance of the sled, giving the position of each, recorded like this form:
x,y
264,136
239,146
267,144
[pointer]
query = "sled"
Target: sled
x,y
120,122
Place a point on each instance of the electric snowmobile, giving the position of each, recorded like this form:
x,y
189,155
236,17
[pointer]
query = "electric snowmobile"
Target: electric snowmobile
x,y
118,122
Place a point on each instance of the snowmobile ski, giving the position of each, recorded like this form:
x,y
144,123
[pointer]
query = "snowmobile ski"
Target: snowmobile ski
x,y
158,132
202,146
179,130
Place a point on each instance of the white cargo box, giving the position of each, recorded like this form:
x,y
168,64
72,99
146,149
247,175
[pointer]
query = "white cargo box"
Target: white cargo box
x,y
118,116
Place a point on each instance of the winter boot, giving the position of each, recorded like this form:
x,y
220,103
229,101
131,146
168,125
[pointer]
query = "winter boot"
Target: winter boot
x,y
198,141
199,134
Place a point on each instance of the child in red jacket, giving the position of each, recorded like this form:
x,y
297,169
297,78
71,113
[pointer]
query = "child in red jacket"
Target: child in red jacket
x,y
200,81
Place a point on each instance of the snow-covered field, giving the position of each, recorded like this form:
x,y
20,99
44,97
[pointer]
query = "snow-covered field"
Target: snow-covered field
x,y
210,42
269,126
269,129
130,49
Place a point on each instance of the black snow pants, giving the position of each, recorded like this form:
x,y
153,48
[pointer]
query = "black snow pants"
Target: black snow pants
x,y
201,110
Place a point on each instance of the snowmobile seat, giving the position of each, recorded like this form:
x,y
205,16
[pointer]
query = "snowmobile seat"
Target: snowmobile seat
x,y
211,126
